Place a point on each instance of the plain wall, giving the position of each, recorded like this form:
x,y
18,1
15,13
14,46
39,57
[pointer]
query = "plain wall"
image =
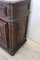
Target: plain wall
x,y
34,21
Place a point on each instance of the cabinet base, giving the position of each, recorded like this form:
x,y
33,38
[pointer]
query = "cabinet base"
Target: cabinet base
x,y
11,51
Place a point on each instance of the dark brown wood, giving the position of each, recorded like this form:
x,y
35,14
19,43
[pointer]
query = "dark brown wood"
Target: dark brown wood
x,y
3,33
13,24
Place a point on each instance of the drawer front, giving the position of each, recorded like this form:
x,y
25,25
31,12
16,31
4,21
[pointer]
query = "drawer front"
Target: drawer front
x,y
21,10
3,9
18,10
3,33
14,10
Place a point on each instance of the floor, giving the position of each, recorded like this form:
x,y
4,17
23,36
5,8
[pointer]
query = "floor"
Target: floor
x,y
29,51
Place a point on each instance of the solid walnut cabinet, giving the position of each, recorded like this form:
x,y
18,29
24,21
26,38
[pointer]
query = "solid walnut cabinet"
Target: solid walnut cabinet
x,y
13,24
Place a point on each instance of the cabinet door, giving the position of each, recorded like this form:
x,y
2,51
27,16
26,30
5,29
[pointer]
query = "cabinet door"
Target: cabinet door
x,y
21,30
4,33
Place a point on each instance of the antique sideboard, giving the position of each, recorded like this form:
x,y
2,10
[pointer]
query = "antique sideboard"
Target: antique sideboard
x,y
14,16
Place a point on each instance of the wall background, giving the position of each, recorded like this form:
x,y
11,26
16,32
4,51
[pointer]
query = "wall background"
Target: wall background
x,y
34,21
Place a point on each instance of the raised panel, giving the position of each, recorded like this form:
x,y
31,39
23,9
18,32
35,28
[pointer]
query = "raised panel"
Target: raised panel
x,y
13,35
3,33
18,10
21,29
3,10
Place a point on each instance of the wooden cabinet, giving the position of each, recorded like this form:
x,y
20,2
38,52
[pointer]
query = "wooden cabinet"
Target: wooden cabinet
x,y
13,24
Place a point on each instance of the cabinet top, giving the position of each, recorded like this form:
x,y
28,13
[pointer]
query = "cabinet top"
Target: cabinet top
x,y
12,1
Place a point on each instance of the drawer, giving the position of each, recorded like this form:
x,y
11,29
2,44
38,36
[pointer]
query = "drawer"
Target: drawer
x,y
18,10
14,10
21,10
3,9
4,33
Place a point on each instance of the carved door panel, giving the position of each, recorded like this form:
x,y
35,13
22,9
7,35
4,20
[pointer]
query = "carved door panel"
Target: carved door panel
x,y
4,33
21,29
